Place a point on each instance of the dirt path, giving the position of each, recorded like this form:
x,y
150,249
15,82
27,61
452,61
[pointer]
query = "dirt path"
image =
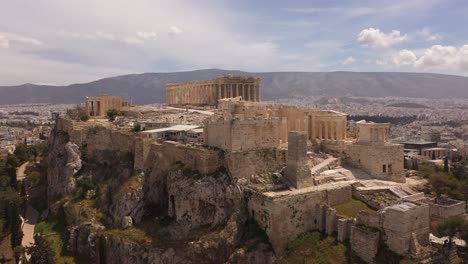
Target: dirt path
x,y
29,221
20,171
30,217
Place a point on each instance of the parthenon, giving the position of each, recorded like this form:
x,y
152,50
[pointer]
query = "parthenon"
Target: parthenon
x,y
208,92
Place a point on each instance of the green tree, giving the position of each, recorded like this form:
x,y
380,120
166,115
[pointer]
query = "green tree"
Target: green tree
x,y
442,183
12,162
84,117
452,227
446,164
23,152
41,251
136,128
84,184
112,114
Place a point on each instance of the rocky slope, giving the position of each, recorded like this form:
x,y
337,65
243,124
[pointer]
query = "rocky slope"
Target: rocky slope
x,y
150,87
162,213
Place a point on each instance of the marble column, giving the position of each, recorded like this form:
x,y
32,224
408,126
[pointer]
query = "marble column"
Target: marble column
x,y
319,134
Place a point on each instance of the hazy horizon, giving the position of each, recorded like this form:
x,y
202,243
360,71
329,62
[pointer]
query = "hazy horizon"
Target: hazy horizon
x,y
61,43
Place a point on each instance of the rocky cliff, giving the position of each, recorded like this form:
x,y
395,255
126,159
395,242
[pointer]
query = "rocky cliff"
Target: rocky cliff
x,y
119,209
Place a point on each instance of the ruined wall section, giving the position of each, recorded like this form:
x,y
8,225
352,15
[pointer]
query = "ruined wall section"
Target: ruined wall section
x,y
242,164
285,215
373,158
164,155
399,222
365,243
242,135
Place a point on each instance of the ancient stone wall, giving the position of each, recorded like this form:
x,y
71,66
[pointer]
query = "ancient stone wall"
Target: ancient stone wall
x,y
368,218
318,125
142,151
384,162
242,135
365,243
104,140
164,155
454,208
297,170
285,215
401,221
242,164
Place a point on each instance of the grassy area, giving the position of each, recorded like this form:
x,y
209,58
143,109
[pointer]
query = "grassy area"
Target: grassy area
x,y
351,208
131,184
145,233
312,248
84,211
53,232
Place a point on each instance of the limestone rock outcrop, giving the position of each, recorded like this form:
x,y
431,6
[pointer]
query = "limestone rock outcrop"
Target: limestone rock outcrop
x,y
107,198
128,204
64,160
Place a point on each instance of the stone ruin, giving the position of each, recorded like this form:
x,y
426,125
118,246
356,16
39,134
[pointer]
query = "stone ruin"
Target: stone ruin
x,y
300,165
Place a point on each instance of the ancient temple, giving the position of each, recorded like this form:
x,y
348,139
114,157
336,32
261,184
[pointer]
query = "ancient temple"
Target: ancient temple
x,y
208,92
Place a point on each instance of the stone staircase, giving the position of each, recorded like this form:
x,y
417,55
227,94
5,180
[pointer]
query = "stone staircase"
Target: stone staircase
x,y
327,164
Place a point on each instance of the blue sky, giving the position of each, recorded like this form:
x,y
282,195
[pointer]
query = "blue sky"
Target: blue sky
x,y
63,42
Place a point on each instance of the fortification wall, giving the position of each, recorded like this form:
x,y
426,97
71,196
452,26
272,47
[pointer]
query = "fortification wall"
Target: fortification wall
x,y
445,211
242,135
373,158
242,164
101,140
365,243
285,215
399,225
163,155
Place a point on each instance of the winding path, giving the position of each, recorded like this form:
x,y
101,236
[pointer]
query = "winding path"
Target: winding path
x,y
30,217
20,171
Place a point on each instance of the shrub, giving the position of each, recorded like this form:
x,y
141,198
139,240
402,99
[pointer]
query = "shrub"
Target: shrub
x,y
136,128
84,117
112,113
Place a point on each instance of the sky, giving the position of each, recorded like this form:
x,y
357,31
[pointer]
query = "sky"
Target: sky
x,y
61,42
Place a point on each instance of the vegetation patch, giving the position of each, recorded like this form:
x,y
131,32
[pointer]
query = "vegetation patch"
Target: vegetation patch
x,y
351,208
313,248
84,211
50,243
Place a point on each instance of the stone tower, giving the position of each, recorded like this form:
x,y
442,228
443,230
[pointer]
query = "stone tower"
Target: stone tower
x,y
297,171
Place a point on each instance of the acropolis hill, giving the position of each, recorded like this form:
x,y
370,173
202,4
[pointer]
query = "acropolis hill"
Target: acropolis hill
x,y
217,176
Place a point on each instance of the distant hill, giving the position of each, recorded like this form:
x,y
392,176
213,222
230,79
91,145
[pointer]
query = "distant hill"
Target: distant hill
x,y
408,105
149,87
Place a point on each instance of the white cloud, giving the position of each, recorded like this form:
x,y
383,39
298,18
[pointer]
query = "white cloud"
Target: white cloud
x,y
98,35
133,41
104,35
428,35
4,43
147,35
440,56
174,30
348,61
404,57
447,58
351,11
7,38
373,37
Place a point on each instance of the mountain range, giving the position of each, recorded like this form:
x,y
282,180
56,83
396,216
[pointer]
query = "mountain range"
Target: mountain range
x,y
150,87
